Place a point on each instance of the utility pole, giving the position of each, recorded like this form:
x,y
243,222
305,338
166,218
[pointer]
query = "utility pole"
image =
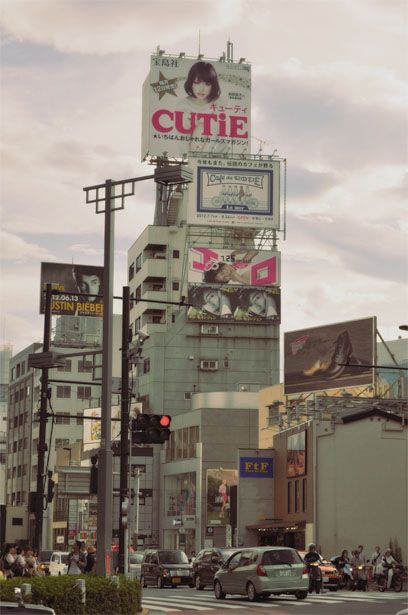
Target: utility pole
x,y
124,430
39,505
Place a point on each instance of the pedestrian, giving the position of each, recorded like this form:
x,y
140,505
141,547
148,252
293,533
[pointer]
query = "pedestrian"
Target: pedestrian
x,y
362,554
76,559
90,560
9,558
20,564
33,569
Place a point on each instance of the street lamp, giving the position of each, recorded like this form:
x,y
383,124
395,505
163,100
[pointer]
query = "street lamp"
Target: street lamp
x,y
108,198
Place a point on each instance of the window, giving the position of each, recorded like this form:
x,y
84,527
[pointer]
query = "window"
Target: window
x,y
35,445
20,445
13,373
131,272
18,370
21,419
27,391
176,285
209,329
79,420
138,263
61,442
187,395
304,495
16,421
176,253
84,392
61,420
34,472
85,366
137,325
144,399
289,497
146,366
66,367
63,392
156,319
138,293
23,368
296,496
273,416
208,365
19,471
16,397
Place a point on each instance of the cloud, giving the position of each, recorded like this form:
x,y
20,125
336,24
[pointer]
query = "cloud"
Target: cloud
x,y
17,250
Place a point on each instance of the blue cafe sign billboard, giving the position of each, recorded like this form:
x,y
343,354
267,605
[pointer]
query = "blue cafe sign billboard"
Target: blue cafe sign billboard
x,y
256,467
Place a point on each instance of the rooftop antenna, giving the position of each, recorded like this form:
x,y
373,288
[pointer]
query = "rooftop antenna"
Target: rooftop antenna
x,y
230,51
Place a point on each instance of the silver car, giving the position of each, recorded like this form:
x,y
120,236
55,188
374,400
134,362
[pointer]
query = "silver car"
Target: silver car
x,y
262,571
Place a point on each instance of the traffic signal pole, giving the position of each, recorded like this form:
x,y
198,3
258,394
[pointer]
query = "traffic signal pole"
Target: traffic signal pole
x,y
124,432
39,504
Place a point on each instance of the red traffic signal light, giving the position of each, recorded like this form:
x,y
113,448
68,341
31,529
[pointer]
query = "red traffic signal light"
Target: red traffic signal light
x,y
151,428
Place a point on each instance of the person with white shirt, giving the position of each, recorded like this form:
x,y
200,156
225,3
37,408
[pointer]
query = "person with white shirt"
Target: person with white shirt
x,y
376,559
388,564
76,559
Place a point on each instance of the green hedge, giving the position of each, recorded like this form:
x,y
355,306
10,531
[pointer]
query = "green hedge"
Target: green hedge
x,y
60,593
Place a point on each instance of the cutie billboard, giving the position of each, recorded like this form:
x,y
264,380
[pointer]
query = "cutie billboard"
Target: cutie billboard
x,y
235,267
317,358
247,305
227,192
195,106
219,483
76,285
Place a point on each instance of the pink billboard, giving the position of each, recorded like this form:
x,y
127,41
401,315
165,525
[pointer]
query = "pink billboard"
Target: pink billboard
x,y
242,267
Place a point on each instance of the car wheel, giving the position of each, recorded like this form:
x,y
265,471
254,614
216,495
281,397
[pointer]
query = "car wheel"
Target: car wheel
x,y
219,594
252,593
159,583
301,595
197,583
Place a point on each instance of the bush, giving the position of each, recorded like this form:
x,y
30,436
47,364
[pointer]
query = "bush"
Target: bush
x,y
60,593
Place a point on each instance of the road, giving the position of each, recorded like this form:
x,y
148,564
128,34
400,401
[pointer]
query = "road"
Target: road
x,y
187,601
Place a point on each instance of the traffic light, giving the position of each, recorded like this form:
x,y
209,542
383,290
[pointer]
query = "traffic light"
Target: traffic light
x,y
51,484
151,428
124,510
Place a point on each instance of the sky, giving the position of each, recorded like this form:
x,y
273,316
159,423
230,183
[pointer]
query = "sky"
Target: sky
x,y
329,93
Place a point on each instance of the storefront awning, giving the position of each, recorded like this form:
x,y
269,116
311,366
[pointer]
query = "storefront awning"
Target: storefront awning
x,y
277,525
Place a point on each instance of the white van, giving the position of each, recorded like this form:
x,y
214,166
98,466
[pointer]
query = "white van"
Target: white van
x,y
59,563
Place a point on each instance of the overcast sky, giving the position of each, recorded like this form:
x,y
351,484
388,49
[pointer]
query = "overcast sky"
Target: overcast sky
x,y
329,92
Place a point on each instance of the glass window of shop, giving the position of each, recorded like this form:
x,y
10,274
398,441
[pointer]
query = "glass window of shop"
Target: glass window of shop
x,y
180,494
181,444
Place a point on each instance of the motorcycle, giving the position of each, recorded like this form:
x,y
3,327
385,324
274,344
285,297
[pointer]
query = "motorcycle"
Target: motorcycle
x,y
396,582
360,580
315,577
345,571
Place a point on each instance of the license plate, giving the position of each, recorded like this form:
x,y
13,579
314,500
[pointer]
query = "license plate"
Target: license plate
x,y
176,580
285,573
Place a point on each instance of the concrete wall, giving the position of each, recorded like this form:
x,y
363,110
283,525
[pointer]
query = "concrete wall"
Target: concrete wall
x,y
361,487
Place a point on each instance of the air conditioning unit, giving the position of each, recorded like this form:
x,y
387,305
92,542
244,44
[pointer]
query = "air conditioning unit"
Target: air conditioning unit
x,y
208,365
209,329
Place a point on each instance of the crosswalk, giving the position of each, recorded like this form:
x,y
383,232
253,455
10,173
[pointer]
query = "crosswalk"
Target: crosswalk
x,y
206,601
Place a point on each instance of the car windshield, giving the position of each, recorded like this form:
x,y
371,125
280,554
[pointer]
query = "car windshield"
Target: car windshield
x,y
45,556
135,558
226,553
280,556
173,557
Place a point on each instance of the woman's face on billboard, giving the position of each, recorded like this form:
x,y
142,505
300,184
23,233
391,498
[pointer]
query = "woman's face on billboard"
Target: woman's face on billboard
x,y
212,301
201,91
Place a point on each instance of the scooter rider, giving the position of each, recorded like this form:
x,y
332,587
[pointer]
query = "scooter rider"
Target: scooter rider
x,y
388,564
359,575
311,556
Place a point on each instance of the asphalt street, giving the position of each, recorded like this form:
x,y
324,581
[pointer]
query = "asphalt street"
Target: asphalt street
x,y
187,601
